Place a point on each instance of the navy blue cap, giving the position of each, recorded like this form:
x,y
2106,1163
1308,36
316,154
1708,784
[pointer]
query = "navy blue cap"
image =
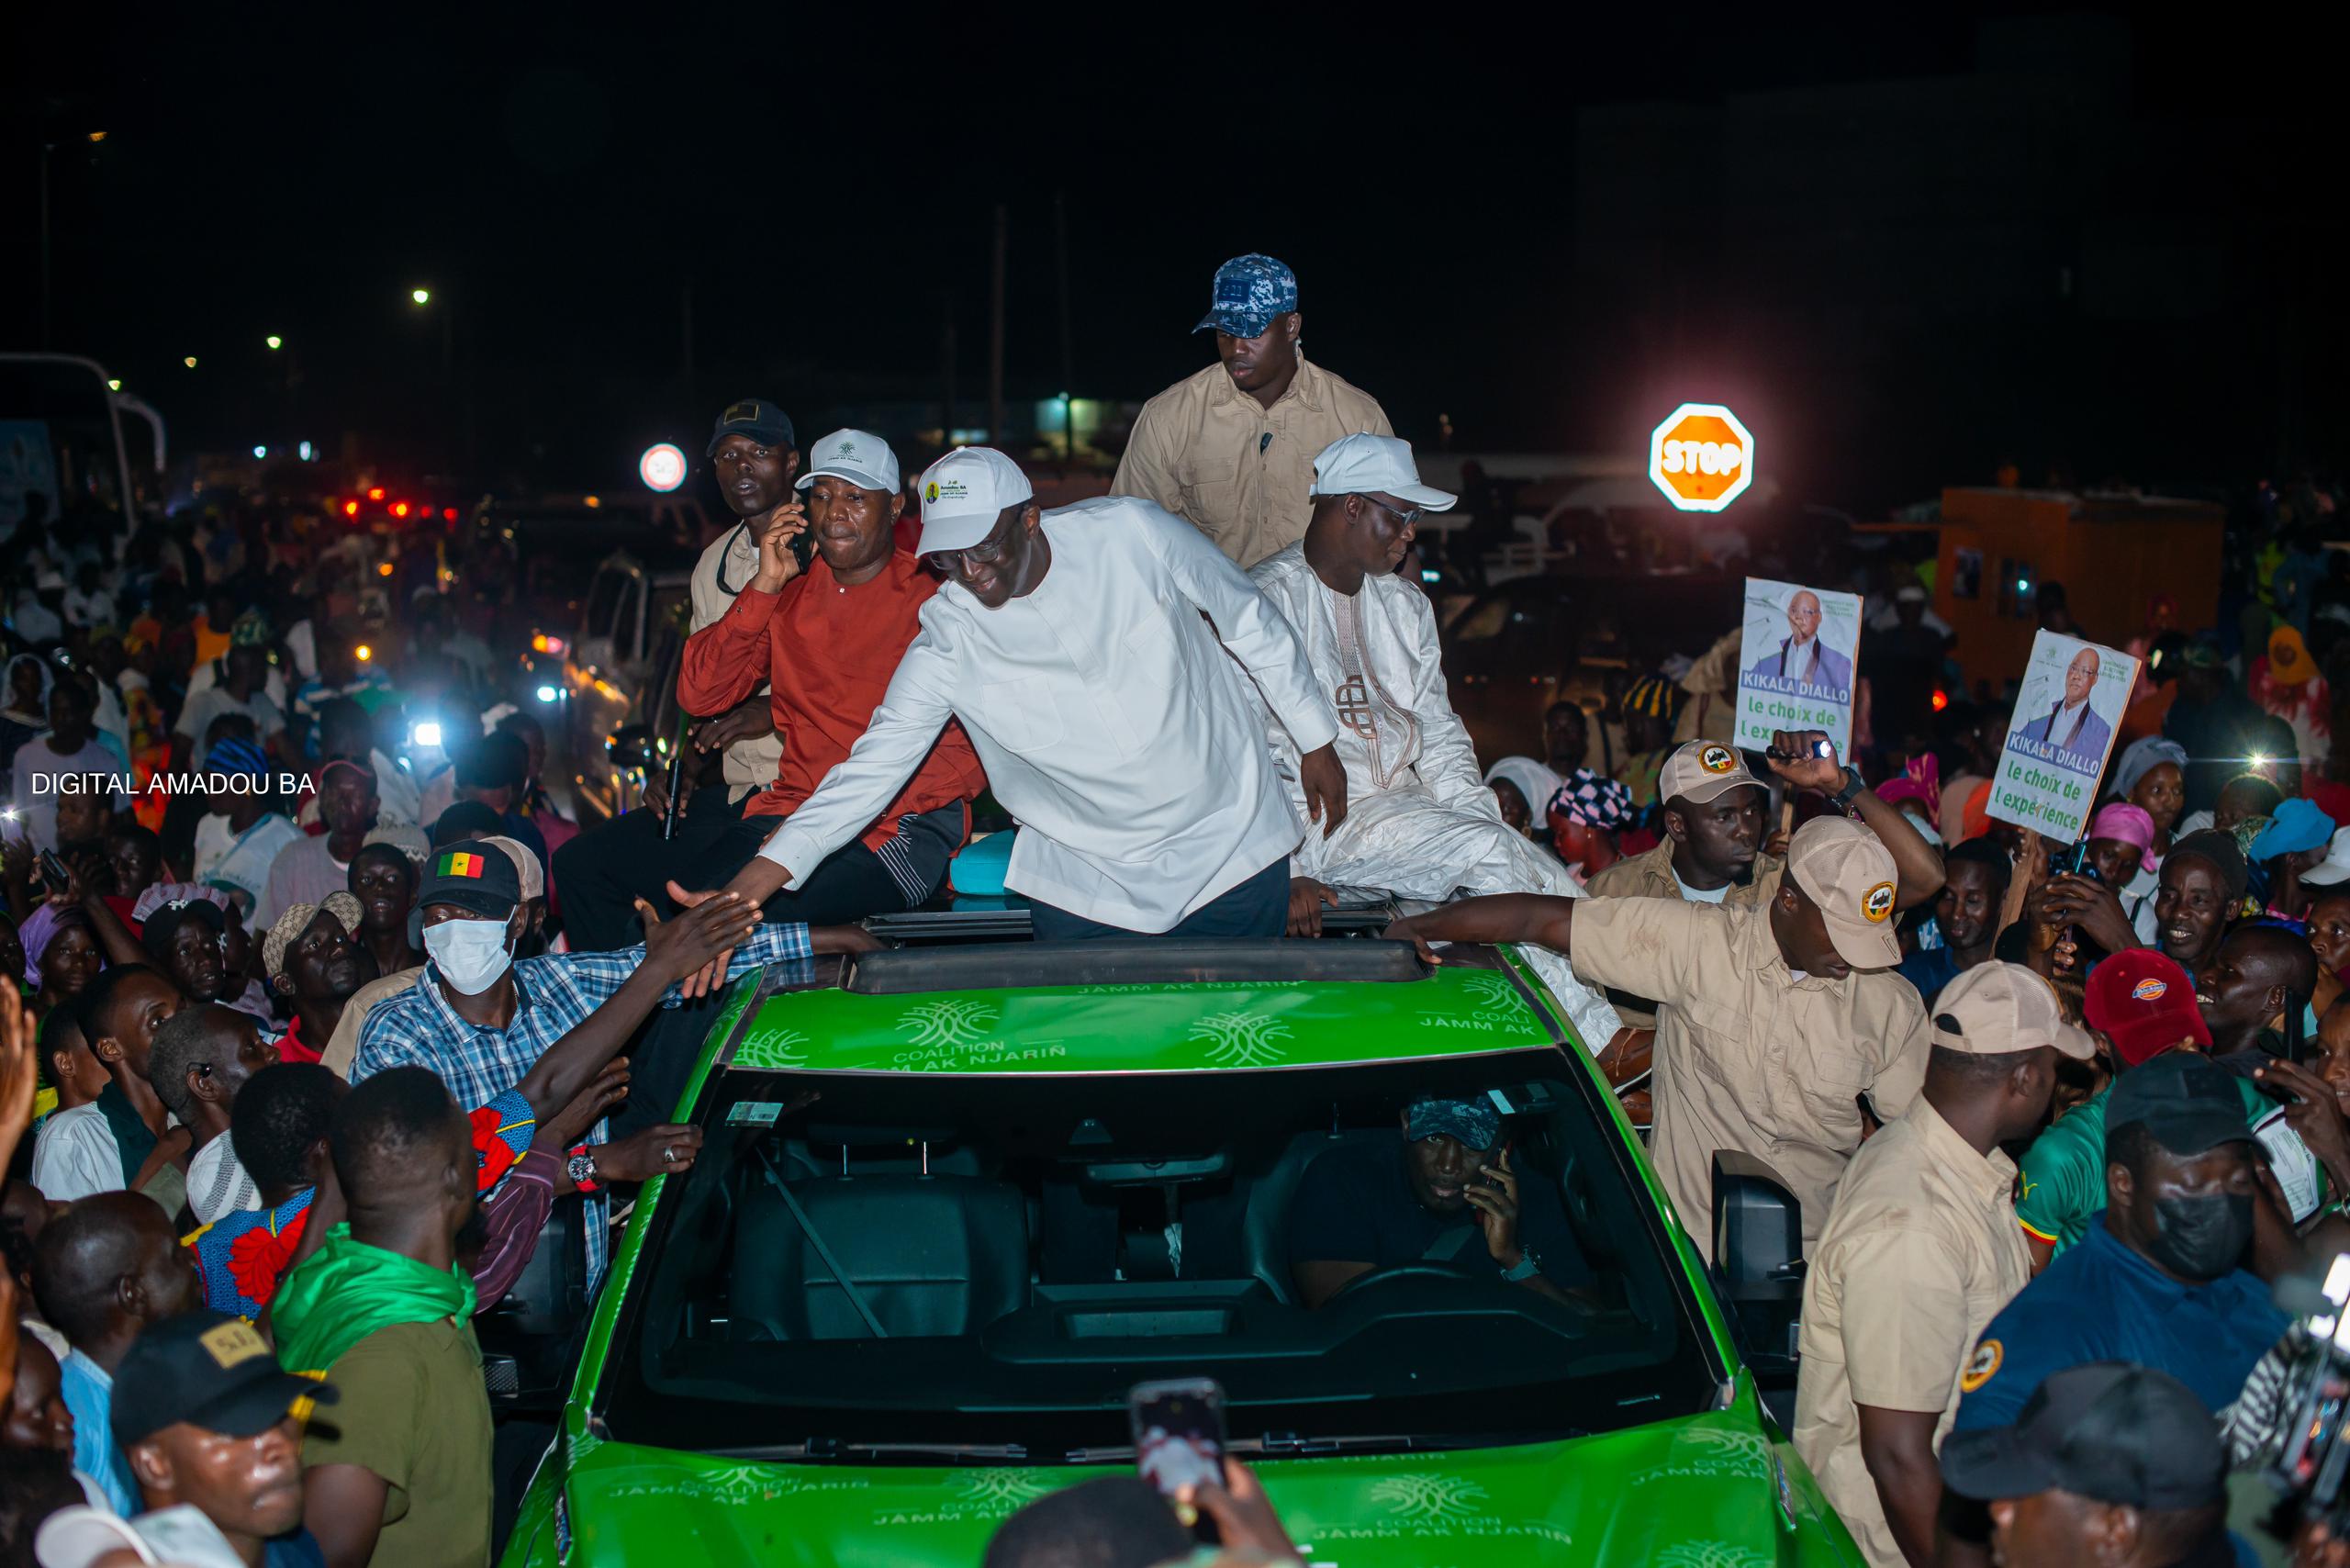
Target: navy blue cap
x,y
1250,291
753,417
2108,1430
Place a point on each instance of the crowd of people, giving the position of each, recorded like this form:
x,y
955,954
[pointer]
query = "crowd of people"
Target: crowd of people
x,y
321,1008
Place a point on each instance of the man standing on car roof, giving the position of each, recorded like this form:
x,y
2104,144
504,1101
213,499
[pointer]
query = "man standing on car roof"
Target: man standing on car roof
x,y
1231,447
1774,1025
1095,654
826,641
1421,824
751,454
1919,1252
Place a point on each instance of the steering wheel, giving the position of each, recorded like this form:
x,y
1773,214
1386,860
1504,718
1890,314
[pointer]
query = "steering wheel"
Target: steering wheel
x,y
1417,1270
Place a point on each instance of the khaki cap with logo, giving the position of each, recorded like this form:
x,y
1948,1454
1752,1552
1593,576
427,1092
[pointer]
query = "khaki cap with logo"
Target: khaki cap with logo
x,y
1995,1008
1699,771
1850,875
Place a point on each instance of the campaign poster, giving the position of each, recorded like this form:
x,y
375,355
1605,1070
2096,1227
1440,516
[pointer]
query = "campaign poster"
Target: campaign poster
x,y
2062,733
1795,664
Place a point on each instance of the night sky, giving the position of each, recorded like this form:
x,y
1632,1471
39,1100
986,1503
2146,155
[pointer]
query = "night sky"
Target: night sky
x,y
823,184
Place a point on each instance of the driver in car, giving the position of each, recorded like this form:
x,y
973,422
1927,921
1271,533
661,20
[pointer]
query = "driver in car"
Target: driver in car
x,y
1446,1195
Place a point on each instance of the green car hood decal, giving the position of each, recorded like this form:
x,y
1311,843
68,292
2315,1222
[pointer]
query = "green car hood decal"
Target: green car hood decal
x,y
1143,1028
1710,1492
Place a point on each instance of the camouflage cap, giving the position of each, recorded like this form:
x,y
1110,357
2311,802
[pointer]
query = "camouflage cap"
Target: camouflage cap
x,y
1250,292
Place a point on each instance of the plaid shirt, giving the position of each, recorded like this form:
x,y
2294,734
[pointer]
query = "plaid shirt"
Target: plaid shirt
x,y
554,994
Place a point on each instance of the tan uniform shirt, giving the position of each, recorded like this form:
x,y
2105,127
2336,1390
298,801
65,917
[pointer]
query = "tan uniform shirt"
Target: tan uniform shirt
x,y
1648,875
344,1044
752,764
1921,1252
1237,471
1749,1055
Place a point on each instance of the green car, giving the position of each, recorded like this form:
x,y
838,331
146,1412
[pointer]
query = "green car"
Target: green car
x,y
955,1201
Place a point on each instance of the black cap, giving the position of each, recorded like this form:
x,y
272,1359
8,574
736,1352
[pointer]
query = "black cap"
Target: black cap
x,y
2225,855
753,417
474,874
160,926
2186,1100
209,1370
2109,1431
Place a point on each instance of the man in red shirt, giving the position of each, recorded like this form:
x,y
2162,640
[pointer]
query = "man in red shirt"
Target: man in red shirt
x,y
826,639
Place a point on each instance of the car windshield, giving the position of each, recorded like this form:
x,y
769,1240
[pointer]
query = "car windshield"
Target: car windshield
x,y
1018,1250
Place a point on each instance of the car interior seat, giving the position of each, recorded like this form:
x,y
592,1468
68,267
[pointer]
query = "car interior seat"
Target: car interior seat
x,y
928,1256
1265,1229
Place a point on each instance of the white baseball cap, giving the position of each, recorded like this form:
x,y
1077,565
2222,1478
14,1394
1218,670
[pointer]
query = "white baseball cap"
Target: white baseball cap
x,y
962,495
2335,867
861,457
1368,465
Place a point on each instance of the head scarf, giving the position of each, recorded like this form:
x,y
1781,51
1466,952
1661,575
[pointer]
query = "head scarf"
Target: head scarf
x,y
1535,782
1654,696
48,680
2142,757
2297,825
1592,800
2288,658
1920,781
2125,823
1974,821
233,754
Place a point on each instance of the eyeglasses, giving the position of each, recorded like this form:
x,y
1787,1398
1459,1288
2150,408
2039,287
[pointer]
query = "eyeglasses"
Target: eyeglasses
x,y
986,553
1411,519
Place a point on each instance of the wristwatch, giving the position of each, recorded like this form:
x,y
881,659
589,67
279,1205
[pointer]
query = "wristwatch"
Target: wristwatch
x,y
581,1168
1529,1265
1842,799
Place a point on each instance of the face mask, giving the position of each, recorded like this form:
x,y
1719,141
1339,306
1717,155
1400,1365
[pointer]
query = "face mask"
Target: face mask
x,y
470,954
2201,1237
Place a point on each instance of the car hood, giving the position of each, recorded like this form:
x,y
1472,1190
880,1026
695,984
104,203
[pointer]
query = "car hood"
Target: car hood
x,y
1710,1492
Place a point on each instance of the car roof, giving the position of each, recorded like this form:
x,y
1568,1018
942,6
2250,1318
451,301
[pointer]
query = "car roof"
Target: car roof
x,y
1040,1008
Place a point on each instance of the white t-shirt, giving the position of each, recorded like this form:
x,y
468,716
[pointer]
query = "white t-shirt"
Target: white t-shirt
x,y
217,1184
35,787
1700,895
76,1155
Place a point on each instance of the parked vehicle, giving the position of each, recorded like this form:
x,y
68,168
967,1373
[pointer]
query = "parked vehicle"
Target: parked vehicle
x,y
953,1201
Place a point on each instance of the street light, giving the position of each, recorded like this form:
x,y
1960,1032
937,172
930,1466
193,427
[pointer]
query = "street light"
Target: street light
x,y
274,341
422,296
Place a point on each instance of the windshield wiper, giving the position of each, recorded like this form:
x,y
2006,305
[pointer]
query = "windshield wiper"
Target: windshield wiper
x,y
1292,1445
820,1448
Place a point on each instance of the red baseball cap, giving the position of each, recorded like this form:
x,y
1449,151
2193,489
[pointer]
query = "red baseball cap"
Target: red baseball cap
x,y
2144,1004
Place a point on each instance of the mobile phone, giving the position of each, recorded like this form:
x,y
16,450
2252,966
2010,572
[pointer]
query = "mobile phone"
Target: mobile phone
x,y
53,872
1178,1432
1821,747
802,546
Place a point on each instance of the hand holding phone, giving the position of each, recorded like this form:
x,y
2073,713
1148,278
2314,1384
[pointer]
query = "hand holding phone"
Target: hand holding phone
x,y
53,874
1179,1435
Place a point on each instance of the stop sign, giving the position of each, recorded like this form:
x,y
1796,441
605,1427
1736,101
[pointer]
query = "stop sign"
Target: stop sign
x,y
1701,457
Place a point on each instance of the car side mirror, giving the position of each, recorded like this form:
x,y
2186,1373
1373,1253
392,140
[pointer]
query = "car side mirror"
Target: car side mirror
x,y
1758,1257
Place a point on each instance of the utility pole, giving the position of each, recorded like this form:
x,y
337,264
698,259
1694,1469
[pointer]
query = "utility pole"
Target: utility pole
x,y
995,332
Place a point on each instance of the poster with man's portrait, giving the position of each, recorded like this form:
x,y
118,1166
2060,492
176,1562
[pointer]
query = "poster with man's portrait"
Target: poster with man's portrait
x,y
1794,663
2061,734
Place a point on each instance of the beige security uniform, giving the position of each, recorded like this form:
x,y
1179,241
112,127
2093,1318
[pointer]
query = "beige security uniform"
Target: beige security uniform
x,y
1697,773
1750,1055
1921,1252
1238,471
751,764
